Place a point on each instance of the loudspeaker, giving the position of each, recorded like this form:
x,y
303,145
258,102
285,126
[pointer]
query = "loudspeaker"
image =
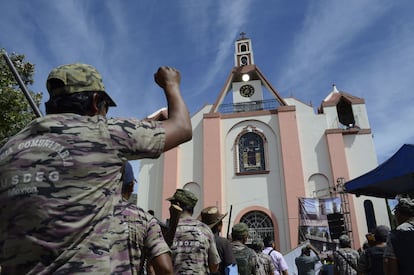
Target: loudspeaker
x,y
336,223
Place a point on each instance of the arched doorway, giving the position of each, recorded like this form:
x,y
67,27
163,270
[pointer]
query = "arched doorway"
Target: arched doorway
x,y
260,225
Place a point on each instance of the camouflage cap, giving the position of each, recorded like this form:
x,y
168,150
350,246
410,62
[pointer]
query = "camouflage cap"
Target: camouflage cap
x,y
240,230
257,244
75,78
185,197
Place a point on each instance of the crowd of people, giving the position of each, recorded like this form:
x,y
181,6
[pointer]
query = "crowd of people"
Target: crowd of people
x,y
386,252
66,181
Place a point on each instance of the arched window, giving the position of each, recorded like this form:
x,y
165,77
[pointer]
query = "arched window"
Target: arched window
x,y
243,48
243,60
251,153
345,113
260,225
370,215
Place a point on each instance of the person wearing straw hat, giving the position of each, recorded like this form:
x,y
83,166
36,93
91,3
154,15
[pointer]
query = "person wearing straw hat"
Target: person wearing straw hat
x,y
214,219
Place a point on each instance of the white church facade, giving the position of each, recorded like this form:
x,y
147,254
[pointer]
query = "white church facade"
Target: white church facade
x,y
256,153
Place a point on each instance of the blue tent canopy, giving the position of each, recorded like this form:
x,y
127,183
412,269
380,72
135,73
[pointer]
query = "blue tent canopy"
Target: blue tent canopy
x,y
394,176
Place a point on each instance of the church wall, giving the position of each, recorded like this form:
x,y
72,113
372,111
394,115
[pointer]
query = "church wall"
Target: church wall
x,y
332,121
361,116
292,168
315,155
361,157
261,190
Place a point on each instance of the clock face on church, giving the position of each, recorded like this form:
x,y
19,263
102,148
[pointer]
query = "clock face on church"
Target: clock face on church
x,y
246,90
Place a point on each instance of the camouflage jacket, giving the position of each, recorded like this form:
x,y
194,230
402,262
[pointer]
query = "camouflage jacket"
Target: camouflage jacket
x,y
345,261
247,261
193,247
136,236
60,180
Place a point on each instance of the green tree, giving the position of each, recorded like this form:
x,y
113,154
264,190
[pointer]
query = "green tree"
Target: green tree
x,y
16,112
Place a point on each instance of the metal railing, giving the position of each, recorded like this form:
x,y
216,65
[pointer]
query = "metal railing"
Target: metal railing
x,y
268,104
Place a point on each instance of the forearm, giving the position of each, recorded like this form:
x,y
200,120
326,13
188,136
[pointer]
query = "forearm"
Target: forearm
x,y
317,253
213,267
162,264
178,125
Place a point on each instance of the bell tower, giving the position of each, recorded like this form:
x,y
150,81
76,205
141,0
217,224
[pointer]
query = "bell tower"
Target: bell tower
x,y
247,90
243,52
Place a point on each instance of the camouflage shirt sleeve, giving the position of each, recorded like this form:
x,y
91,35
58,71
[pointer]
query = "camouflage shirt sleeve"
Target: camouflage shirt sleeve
x,y
145,229
137,138
154,240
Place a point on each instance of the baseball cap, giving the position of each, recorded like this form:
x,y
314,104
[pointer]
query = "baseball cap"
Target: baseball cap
x,y
75,78
185,197
381,233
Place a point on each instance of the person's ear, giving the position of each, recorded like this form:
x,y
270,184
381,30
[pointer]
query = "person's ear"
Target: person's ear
x,y
98,108
94,108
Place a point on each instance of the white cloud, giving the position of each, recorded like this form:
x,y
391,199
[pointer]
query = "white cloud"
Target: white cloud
x,y
363,45
232,16
328,27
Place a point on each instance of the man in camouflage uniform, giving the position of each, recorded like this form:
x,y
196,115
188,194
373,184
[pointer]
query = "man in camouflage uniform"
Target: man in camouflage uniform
x,y
139,237
266,266
247,261
60,177
345,258
194,249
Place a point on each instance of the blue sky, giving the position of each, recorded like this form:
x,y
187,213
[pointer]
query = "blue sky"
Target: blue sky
x,y
365,47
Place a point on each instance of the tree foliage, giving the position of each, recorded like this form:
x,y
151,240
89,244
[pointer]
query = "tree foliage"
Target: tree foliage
x,y
16,112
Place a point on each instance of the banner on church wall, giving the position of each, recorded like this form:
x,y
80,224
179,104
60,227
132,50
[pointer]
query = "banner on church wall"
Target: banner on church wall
x,y
313,221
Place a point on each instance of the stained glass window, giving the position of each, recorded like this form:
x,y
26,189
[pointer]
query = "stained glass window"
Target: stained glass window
x,y
251,153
